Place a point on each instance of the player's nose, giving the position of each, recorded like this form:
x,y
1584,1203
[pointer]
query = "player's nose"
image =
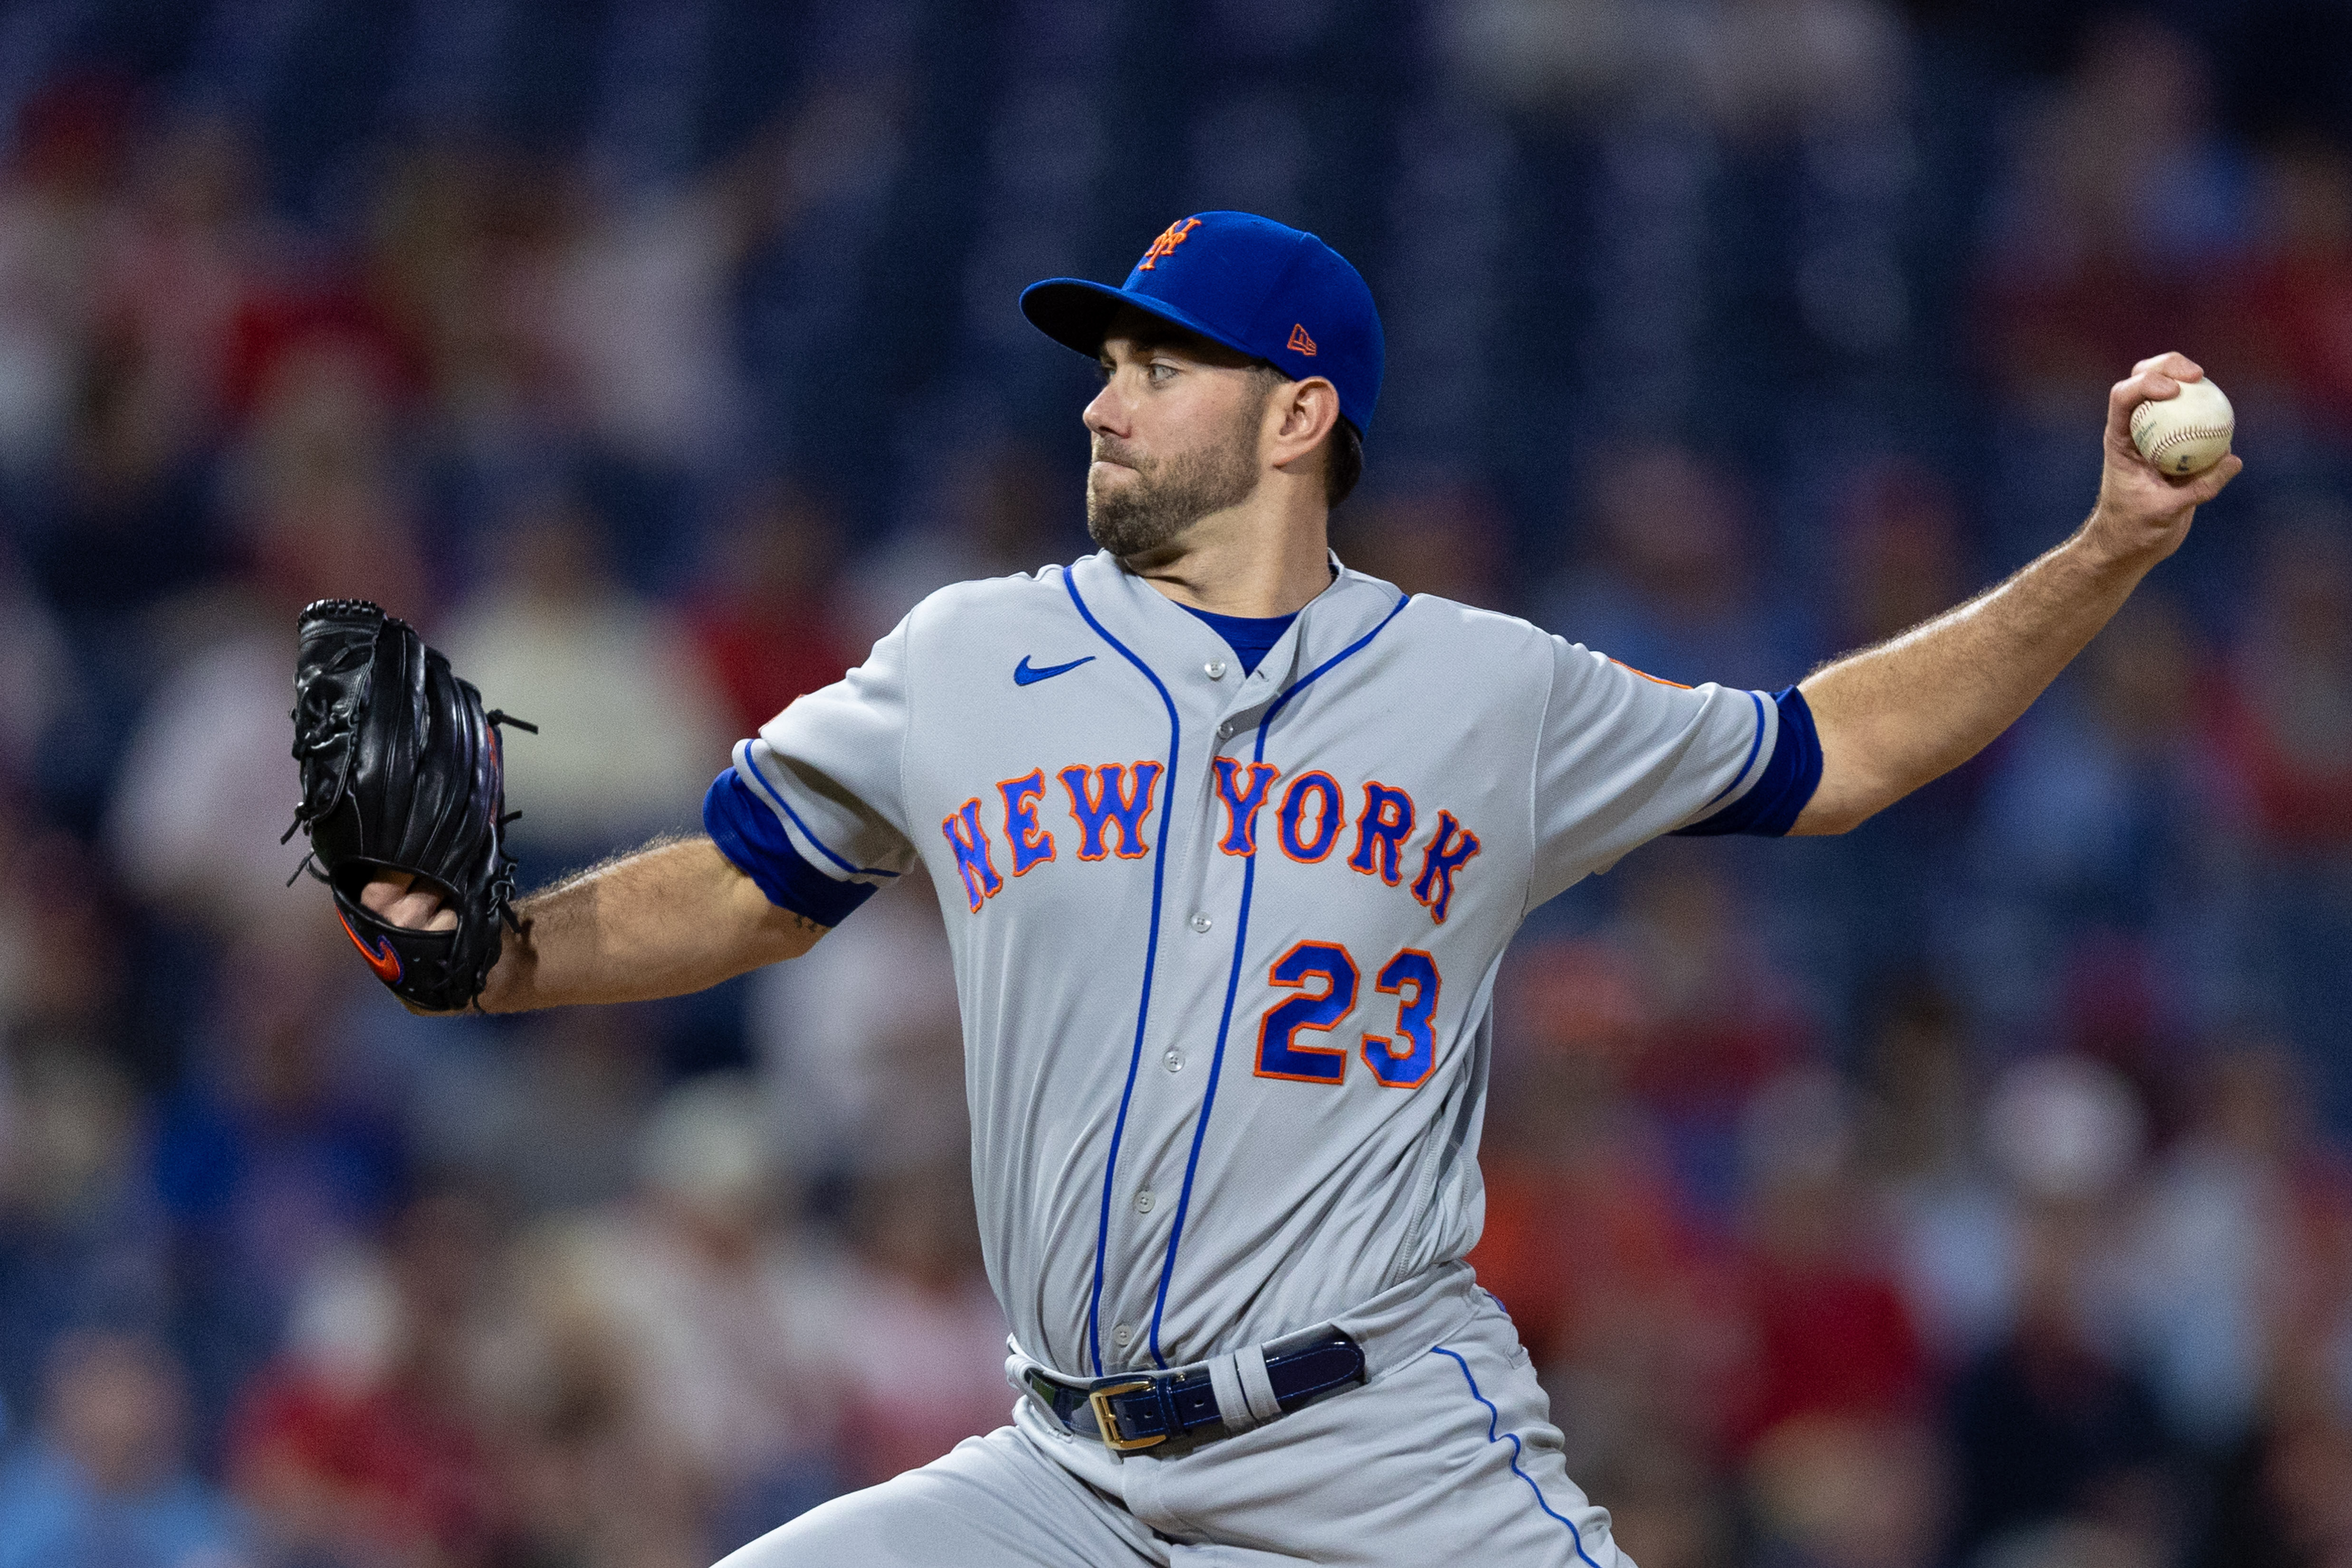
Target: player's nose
x,y
1107,415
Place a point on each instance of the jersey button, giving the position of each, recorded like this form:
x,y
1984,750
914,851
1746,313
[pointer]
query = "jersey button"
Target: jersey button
x,y
1215,669
1175,1060
1202,922
1143,1200
1121,1335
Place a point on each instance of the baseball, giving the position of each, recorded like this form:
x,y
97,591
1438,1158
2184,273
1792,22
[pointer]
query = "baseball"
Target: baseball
x,y
2187,433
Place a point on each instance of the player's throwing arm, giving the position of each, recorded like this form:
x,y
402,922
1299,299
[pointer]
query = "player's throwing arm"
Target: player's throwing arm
x,y
1893,717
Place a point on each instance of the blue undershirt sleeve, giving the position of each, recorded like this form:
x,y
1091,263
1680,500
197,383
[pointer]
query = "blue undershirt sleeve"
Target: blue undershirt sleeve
x,y
1770,807
750,834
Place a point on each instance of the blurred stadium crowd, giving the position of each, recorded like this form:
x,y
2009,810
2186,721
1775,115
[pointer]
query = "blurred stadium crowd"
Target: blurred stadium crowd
x,y
1971,1190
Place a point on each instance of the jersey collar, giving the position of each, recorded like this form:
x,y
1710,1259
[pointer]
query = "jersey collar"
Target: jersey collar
x,y
1178,647
1170,640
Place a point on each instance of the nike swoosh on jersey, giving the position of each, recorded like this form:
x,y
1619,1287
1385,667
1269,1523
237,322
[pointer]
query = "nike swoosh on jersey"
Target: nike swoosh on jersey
x,y
1025,676
386,963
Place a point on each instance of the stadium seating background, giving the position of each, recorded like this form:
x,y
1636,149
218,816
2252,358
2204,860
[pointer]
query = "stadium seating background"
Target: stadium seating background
x,y
1969,1190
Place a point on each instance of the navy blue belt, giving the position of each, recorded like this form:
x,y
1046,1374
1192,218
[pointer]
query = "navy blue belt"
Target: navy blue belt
x,y
1143,1410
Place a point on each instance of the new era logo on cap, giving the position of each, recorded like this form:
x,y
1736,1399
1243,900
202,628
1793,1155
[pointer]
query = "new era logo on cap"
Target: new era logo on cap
x,y
1247,282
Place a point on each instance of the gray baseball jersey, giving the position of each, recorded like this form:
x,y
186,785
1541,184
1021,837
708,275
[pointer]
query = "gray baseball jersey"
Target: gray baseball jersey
x,y
1226,943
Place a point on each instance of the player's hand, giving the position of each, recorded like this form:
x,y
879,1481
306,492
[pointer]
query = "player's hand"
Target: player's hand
x,y
2143,513
396,898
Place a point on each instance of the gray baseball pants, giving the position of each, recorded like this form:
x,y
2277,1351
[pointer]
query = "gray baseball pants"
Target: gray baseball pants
x,y
1446,1449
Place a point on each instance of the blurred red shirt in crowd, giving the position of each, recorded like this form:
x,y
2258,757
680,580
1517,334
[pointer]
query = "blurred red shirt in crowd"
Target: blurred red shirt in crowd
x,y
377,1445
367,1464
1829,1333
2293,307
765,622
2284,717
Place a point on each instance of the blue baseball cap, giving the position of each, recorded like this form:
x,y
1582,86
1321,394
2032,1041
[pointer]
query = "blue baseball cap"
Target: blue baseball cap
x,y
1258,287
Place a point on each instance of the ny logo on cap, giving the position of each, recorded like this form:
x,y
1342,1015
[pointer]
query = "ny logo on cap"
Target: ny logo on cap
x,y
1169,238
1300,343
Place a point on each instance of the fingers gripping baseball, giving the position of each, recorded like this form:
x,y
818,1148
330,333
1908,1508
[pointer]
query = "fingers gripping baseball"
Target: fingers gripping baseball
x,y
2156,379
2142,510
2157,376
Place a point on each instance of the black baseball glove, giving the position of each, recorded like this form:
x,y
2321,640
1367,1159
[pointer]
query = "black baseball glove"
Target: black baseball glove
x,y
400,772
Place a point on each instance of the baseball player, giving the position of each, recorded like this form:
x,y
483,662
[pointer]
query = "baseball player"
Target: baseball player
x,y
1230,841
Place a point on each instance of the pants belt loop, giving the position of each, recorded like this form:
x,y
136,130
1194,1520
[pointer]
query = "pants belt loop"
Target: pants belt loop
x,y
1232,1404
1257,1388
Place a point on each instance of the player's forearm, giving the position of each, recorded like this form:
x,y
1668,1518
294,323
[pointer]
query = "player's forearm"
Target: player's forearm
x,y
1892,717
671,919
1895,716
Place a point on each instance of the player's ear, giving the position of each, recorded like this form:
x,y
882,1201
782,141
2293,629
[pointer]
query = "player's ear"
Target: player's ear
x,y
1309,409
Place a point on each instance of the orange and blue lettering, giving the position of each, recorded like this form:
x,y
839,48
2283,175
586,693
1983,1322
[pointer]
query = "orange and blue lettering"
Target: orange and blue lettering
x,y
969,842
1242,801
1110,800
1032,845
1279,1053
1380,831
1406,1060
1452,845
1330,810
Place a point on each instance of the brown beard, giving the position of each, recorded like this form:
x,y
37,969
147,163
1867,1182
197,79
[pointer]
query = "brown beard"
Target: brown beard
x,y
1172,494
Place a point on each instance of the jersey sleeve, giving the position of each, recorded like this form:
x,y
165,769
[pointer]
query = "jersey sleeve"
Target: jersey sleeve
x,y
812,808
1769,807
1622,757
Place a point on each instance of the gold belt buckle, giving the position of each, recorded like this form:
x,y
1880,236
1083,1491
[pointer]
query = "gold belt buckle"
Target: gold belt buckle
x,y
1107,1423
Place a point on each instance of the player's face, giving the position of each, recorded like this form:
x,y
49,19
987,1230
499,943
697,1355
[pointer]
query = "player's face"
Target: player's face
x,y
1177,435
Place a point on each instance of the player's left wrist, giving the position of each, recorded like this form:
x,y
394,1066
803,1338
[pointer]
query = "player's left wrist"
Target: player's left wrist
x,y
503,986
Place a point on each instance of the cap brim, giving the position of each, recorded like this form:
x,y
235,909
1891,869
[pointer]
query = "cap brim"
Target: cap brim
x,y
1077,313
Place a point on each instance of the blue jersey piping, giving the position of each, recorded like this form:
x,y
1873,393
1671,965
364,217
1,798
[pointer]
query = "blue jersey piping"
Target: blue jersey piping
x,y
781,804
1151,958
754,837
1494,1420
1754,746
1233,977
1784,784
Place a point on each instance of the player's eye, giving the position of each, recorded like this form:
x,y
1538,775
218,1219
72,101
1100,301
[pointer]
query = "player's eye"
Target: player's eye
x,y
1104,370
1160,370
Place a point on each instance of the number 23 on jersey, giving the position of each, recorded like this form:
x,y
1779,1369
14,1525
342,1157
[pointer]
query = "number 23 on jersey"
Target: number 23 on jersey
x,y
1324,975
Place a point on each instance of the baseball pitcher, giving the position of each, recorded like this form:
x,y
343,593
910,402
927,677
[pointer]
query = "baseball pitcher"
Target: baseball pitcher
x,y
1230,841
